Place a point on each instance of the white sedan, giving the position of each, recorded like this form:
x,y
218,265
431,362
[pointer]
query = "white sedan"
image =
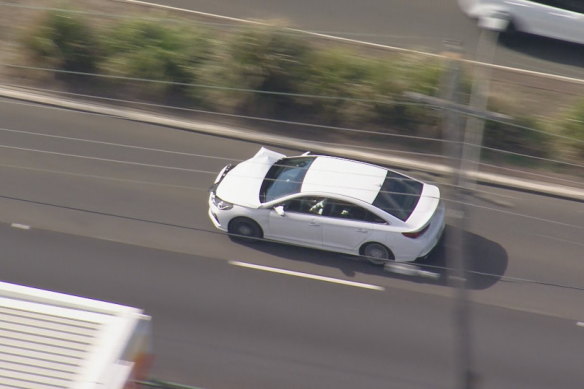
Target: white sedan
x,y
559,19
328,203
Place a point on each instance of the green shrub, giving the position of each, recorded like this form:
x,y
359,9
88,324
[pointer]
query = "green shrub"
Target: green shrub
x,y
523,134
265,59
411,75
376,85
345,83
421,75
572,126
152,51
65,41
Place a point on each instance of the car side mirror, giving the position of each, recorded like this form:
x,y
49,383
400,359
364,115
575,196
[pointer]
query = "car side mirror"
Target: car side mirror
x,y
280,210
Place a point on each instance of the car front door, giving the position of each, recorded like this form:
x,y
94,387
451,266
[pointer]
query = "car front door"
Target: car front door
x,y
299,223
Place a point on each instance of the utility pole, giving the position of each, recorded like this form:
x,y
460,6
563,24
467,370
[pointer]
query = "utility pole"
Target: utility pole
x,y
473,135
464,151
449,91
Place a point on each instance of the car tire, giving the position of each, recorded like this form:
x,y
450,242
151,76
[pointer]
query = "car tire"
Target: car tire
x,y
376,253
244,229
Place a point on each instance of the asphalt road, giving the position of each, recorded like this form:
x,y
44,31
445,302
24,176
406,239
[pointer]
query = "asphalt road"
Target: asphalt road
x,y
104,180
221,326
419,25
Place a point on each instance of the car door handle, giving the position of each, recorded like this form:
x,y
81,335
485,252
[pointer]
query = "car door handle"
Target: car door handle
x,y
314,224
363,230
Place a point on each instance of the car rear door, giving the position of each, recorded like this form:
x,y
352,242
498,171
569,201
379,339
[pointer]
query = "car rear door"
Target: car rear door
x,y
346,226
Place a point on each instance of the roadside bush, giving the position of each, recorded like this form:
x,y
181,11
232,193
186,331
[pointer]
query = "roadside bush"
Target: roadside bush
x,y
63,40
345,82
376,84
421,75
264,59
152,51
409,74
572,125
523,134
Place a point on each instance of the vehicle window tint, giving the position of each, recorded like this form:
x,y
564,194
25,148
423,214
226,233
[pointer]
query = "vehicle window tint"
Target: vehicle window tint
x,y
284,177
345,210
308,205
399,195
569,5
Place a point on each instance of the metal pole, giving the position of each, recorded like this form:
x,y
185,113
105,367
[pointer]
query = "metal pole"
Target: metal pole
x,y
464,181
473,135
455,240
464,151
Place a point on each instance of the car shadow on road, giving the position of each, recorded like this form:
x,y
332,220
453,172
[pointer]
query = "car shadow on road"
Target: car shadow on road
x,y
486,261
548,49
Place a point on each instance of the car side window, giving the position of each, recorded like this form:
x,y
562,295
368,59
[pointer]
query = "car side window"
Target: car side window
x,y
568,5
345,210
307,205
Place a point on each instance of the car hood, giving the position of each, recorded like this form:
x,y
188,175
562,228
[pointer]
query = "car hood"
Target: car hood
x,y
241,185
426,207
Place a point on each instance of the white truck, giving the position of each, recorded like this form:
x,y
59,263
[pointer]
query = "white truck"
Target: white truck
x,y
52,340
558,19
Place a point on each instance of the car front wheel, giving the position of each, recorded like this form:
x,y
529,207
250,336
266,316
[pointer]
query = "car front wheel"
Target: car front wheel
x,y
376,253
244,229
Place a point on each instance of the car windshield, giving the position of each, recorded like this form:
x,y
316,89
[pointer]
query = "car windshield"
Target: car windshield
x,y
284,177
399,195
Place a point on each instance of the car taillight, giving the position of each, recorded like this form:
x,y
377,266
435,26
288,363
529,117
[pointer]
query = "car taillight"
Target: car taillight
x,y
416,234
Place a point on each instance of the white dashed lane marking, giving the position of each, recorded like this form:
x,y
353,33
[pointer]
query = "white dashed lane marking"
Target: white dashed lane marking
x,y
20,226
307,275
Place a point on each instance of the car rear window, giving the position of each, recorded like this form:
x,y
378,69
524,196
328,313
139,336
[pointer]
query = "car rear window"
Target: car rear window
x,y
399,195
284,177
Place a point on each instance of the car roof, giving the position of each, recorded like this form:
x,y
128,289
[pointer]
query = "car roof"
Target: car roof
x,y
344,177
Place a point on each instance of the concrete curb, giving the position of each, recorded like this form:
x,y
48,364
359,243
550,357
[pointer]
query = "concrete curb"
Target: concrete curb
x,y
280,141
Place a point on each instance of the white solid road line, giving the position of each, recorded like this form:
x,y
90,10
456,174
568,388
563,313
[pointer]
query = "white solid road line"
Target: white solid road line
x,y
359,42
20,226
580,324
307,275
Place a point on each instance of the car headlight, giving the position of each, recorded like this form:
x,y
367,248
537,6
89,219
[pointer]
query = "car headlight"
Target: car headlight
x,y
221,204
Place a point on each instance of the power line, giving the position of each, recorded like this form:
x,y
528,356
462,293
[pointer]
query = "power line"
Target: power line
x,y
213,173
139,148
216,87
311,125
330,143
217,232
295,95
335,38
514,170
113,144
389,101
223,25
262,119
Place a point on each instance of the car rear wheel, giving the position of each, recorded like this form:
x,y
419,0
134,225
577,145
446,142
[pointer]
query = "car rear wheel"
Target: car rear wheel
x,y
376,253
244,229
